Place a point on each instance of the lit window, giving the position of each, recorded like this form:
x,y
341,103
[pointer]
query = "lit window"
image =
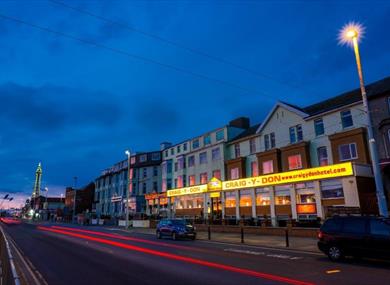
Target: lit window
x,y
282,200
203,157
234,173
217,174
191,161
230,200
207,140
252,145
180,181
195,144
262,197
203,178
347,151
306,198
220,135
268,166
346,119
319,127
322,154
254,169
237,150
294,162
191,179
132,160
215,154
245,198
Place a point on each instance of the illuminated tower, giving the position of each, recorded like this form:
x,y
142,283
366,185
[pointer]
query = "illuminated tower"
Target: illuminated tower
x,y
37,184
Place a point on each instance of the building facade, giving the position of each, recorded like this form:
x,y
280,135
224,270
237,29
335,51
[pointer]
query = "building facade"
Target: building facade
x,y
145,178
300,163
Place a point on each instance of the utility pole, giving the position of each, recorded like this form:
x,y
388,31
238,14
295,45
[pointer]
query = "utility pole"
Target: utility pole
x,y
74,199
128,153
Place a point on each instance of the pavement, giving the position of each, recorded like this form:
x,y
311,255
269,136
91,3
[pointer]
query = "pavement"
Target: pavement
x,y
296,243
69,254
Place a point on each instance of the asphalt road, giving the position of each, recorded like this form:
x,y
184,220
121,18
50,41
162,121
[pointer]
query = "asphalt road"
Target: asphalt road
x,y
95,255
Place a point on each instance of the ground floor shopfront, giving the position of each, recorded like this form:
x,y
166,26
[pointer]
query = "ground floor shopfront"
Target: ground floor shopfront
x,y
302,195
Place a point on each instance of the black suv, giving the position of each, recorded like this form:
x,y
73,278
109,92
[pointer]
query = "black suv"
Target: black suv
x,y
355,236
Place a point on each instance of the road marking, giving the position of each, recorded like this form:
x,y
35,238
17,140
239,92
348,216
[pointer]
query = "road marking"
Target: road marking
x,y
332,271
250,252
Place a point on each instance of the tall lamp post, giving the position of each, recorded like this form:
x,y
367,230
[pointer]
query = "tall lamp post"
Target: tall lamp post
x,y
128,153
350,34
47,206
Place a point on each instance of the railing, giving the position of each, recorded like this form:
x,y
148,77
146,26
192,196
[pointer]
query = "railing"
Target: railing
x,y
8,274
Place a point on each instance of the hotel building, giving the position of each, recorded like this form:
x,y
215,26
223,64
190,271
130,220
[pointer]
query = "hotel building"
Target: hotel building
x,y
300,163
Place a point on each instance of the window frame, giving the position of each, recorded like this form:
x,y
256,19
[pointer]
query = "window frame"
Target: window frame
x,y
343,116
300,165
319,122
319,158
350,151
237,151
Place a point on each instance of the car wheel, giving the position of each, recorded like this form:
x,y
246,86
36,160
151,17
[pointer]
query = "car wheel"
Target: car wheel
x,y
174,237
335,253
158,235
194,237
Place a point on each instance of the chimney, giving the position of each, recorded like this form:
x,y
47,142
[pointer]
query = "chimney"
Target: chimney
x,y
241,122
165,145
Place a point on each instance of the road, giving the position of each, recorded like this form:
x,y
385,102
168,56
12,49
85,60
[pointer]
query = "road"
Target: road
x,y
64,254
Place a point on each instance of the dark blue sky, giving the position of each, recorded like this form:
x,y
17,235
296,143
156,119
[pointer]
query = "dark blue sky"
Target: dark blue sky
x,y
76,107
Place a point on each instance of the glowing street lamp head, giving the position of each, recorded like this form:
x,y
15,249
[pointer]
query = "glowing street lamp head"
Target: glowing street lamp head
x,y
349,32
127,152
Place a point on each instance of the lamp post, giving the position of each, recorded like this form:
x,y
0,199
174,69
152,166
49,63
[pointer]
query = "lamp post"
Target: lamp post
x,y
350,34
47,206
74,199
128,153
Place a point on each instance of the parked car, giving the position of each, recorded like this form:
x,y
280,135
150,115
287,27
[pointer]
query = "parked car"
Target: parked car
x,y
175,228
355,236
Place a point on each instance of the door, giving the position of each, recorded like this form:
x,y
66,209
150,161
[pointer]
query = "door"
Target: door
x,y
216,208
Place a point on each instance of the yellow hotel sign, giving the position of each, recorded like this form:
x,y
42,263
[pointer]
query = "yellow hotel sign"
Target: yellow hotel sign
x,y
187,190
323,172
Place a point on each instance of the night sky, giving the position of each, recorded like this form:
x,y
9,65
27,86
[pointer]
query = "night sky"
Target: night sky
x,y
188,67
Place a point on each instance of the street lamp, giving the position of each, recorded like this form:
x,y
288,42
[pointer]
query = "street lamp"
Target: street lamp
x,y
47,206
128,153
350,34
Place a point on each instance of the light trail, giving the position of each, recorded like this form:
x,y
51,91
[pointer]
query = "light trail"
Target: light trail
x,y
181,258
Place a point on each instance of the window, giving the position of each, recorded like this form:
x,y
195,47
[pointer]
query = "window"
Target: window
x,y
237,150
144,172
184,146
306,198
132,160
176,166
215,154
220,135
347,151
155,171
331,188
169,166
282,200
272,138
202,157
354,225
156,156
266,142
155,186
379,227
191,179
319,127
191,161
203,178
166,153
254,169
234,173
332,225
169,183
195,144
180,181
262,197
294,162
346,119
178,149
172,151
268,166
175,183
143,188
207,140
230,200
217,174
322,154
252,145
245,198
296,134
181,163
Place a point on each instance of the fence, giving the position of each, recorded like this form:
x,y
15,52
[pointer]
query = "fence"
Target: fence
x,y
8,274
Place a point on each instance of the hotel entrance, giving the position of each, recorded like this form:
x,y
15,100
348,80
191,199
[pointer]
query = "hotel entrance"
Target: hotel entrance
x,y
216,208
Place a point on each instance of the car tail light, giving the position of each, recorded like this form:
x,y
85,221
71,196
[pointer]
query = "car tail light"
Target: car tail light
x,y
320,235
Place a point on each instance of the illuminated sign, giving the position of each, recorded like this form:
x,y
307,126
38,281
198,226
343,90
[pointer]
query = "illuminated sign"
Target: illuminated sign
x,y
214,184
187,190
317,173
215,195
306,209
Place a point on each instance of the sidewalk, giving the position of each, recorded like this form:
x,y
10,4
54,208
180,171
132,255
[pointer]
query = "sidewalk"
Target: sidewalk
x,y
295,243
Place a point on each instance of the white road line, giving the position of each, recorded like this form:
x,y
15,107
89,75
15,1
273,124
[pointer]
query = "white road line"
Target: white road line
x,y
258,253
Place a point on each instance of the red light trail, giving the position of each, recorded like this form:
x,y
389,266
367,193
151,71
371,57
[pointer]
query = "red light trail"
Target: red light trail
x,y
180,258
